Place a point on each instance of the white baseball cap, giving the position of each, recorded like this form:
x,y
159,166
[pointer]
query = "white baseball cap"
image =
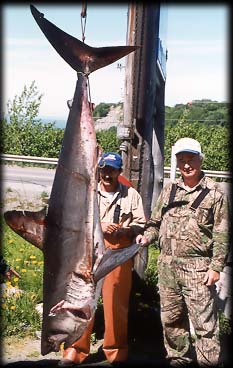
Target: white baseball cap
x,y
187,145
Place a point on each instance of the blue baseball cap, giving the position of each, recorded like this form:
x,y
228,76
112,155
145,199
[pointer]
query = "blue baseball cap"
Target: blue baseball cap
x,y
110,159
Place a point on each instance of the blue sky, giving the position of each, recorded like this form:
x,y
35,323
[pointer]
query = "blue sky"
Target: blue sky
x,y
196,39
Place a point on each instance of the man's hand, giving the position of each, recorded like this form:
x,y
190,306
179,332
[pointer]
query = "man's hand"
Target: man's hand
x,y
141,239
116,229
211,277
109,228
10,273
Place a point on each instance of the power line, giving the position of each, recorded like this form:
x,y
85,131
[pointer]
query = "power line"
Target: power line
x,y
219,120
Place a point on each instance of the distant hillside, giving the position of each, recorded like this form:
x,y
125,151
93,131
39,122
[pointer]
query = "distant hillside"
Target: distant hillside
x,y
107,115
207,111
204,120
112,119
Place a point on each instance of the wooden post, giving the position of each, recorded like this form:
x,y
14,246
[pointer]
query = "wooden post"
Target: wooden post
x,y
173,165
128,96
142,148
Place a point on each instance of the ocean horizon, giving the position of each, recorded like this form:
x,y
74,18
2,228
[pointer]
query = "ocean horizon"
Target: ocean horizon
x,y
59,122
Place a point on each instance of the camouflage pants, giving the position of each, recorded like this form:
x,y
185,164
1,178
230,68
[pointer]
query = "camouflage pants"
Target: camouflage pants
x,y
183,297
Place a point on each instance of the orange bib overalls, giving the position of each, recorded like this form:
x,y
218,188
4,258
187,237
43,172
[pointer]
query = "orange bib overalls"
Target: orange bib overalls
x,y
116,292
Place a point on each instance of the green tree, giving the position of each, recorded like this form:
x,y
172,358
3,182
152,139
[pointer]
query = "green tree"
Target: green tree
x,y
108,140
22,112
204,120
204,110
214,139
24,133
101,110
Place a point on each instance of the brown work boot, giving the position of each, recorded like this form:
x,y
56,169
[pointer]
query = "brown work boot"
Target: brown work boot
x,y
64,362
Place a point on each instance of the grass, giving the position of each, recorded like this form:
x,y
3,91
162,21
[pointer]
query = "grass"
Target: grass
x,y
21,295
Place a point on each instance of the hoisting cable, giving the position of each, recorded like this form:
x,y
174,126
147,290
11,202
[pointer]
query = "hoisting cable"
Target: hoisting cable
x,y
83,27
91,105
89,94
83,19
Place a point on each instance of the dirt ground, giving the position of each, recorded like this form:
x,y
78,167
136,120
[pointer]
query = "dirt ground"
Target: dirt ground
x,y
145,349
27,349
144,332
26,353
145,346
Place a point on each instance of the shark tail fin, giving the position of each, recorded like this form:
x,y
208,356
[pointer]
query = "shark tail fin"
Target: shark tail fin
x,y
78,55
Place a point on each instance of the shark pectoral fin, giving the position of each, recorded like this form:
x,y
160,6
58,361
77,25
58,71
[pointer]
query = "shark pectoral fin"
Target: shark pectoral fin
x,y
113,258
29,225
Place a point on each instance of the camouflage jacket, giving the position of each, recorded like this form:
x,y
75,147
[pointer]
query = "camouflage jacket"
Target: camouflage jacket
x,y
183,232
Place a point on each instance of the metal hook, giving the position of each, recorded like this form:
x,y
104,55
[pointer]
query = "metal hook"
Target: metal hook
x,y
83,23
84,10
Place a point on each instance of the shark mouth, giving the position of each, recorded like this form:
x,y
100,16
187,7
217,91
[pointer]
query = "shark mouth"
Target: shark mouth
x,y
63,306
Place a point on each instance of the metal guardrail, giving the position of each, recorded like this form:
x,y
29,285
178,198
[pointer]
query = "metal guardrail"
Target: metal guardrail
x,y
36,160
210,173
53,161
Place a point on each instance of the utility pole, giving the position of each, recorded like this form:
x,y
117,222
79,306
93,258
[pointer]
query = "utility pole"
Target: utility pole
x,y
142,132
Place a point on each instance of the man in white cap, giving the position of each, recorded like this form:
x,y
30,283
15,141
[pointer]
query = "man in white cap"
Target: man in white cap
x,y
190,222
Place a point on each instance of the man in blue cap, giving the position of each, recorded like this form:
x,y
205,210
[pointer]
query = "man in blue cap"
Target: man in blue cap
x,y
122,219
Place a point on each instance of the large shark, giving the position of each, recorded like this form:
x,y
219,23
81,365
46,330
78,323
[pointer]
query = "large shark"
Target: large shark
x,y
69,232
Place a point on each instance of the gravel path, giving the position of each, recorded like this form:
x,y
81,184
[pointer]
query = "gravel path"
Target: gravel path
x,y
27,349
26,353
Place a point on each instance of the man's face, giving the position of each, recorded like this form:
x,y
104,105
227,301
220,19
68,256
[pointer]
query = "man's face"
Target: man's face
x,y
189,165
109,176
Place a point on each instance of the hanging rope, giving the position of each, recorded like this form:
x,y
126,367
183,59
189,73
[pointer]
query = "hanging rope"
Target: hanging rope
x,y
83,26
91,105
83,19
89,95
